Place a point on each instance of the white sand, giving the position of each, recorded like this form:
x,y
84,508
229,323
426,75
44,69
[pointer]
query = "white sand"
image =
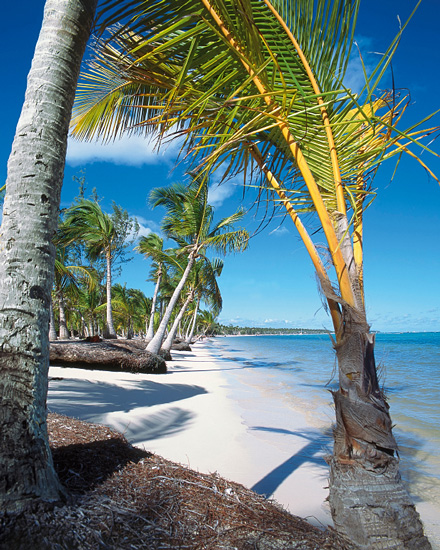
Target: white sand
x,y
200,415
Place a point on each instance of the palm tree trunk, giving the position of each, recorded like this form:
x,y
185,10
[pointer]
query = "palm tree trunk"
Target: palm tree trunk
x,y
193,323
370,505
150,330
109,331
30,215
52,330
170,338
155,344
64,333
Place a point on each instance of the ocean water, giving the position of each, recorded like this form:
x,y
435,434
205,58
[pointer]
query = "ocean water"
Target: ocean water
x,y
301,369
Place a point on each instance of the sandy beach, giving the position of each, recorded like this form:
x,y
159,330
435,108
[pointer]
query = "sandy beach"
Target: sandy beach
x,y
201,415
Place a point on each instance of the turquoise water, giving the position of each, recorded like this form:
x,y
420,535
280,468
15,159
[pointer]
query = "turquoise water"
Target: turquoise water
x,y
300,370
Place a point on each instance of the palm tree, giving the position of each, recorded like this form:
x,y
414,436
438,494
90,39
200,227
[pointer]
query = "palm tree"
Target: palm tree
x,y
259,85
151,246
30,216
67,279
206,288
201,280
87,222
189,222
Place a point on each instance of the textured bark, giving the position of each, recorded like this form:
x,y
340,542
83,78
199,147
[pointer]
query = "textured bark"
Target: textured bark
x,y
369,503
114,355
35,174
155,344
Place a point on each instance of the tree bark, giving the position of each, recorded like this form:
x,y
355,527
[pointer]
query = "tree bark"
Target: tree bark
x,y
369,503
169,339
30,215
155,344
150,329
64,333
109,329
193,323
52,329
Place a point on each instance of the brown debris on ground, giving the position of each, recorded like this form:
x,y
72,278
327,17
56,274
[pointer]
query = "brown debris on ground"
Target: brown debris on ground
x,y
125,498
117,355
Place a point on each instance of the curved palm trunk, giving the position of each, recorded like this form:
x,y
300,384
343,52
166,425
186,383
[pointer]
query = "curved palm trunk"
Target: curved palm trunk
x,y
64,333
150,330
172,333
30,215
193,324
369,503
156,343
109,331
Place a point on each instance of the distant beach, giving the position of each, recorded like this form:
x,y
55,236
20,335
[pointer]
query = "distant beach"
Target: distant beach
x,y
255,415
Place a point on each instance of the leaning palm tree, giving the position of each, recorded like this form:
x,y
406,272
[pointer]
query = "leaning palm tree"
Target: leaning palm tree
x,y
207,289
30,216
87,222
259,85
189,221
151,246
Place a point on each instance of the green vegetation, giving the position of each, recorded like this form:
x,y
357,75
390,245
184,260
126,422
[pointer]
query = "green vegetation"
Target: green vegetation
x,y
88,243
230,330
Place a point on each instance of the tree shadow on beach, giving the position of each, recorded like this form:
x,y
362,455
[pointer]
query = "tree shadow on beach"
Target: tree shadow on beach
x,y
318,444
125,409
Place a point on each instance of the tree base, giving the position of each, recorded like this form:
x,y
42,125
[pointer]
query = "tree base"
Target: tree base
x,y
372,509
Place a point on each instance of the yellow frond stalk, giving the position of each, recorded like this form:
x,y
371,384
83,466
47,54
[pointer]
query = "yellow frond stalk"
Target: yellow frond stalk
x,y
329,231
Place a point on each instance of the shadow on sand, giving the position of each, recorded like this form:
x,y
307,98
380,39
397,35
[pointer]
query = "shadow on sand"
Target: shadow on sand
x,y
318,444
115,406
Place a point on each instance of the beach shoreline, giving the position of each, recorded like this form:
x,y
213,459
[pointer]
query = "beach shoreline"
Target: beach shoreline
x,y
204,413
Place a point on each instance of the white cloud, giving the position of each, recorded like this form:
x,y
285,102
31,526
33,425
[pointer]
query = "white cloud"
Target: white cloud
x,y
146,227
279,231
128,150
218,193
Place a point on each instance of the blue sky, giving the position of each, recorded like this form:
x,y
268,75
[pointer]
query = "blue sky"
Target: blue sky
x,y
273,283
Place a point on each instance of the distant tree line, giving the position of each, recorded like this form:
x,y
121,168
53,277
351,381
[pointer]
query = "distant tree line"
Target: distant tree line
x,y
234,330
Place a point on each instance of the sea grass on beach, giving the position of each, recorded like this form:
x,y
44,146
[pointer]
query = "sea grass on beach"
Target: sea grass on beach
x,y
126,498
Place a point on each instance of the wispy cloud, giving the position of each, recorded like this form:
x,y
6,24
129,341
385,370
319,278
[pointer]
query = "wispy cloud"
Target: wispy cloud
x,y
279,231
218,193
128,150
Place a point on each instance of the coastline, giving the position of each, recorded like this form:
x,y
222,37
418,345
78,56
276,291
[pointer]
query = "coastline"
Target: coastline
x,y
205,414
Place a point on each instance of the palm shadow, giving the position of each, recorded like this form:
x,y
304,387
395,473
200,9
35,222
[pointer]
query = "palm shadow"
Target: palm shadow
x,y
312,452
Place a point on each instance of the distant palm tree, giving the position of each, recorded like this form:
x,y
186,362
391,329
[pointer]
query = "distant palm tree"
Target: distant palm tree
x,y
189,221
87,222
206,288
151,246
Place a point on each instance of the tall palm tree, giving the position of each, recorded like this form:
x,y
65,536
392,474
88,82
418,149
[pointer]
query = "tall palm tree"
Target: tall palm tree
x,y
259,85
30,216
206,288
151,246
189,222
87,222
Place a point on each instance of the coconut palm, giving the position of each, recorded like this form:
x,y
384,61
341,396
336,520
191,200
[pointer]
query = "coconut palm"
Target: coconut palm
x,y
189,222
259,85
206,288
151,246
201,280
30,215
86,222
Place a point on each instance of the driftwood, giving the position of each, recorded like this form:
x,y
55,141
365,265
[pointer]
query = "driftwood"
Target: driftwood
x,y
114,355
